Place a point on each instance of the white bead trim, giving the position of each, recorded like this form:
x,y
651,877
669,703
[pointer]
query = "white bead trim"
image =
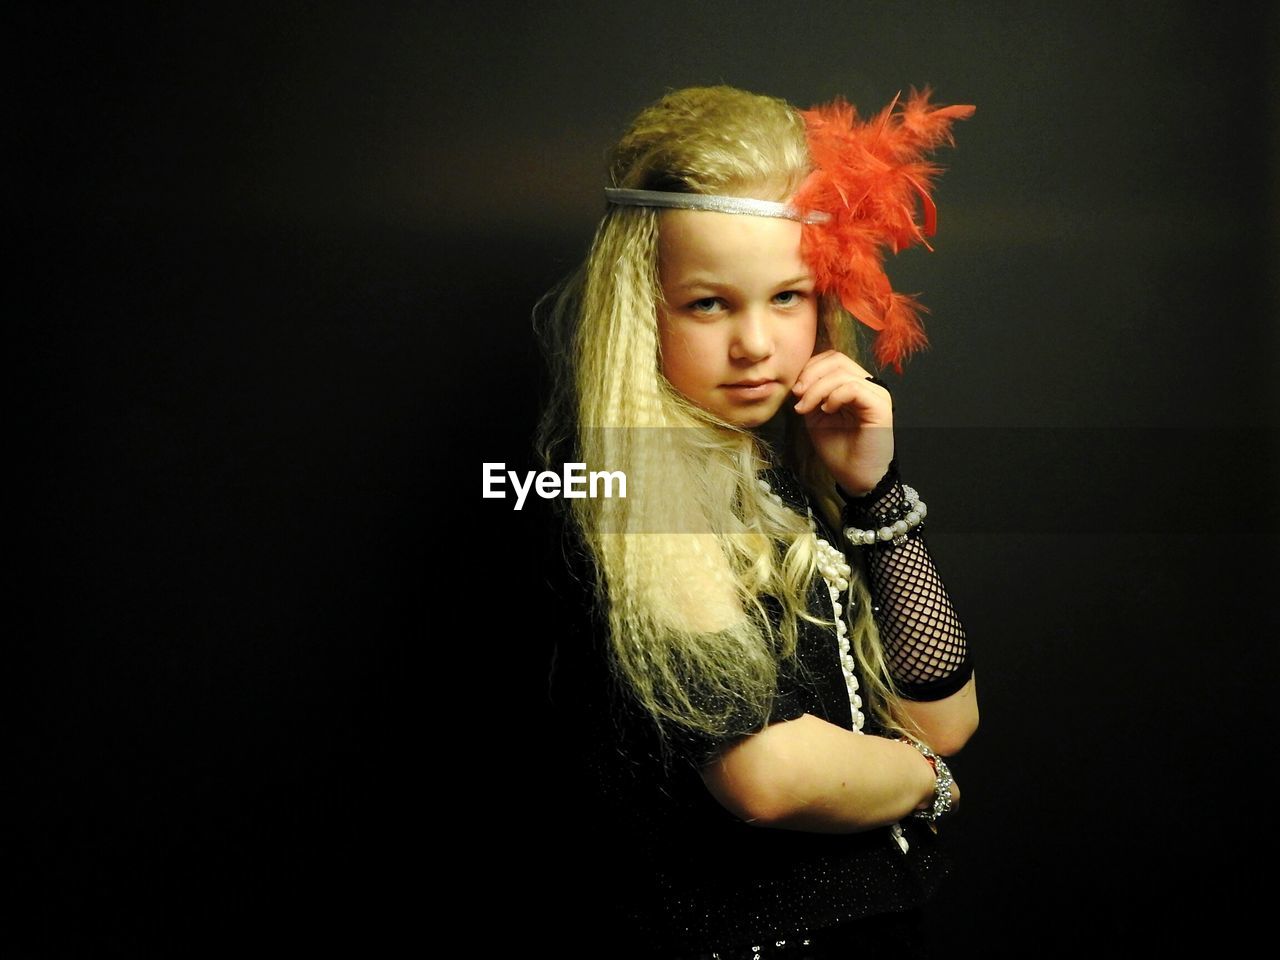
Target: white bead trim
x,y
836,573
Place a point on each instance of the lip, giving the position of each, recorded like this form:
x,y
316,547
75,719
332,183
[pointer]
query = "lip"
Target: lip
x,y
750,389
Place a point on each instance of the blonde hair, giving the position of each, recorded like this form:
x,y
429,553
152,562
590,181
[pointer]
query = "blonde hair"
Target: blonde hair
x,y
689,563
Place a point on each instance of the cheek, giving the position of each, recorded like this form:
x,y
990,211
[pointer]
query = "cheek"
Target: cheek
x,y
682,356
800,347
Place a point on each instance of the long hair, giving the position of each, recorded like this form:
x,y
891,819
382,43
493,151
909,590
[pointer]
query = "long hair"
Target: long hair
x,y
704,578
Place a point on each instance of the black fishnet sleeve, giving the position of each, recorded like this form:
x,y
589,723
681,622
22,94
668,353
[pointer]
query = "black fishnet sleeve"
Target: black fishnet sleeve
x,y
924,641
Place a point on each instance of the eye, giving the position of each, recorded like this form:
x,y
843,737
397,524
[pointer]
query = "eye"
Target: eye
x,y
705,305
788,298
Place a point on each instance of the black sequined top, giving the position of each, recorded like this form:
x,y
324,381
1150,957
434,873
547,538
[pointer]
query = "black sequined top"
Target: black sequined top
x,y
709,881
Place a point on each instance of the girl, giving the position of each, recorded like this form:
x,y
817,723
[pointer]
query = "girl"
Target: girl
x,y
774,670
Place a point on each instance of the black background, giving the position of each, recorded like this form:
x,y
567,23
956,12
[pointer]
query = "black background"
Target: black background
x,y
280,670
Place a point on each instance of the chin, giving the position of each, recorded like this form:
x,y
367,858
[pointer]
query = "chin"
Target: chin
x,y
750,421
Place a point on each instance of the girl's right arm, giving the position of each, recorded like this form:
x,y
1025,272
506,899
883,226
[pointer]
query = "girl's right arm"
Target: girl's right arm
x,y
808,774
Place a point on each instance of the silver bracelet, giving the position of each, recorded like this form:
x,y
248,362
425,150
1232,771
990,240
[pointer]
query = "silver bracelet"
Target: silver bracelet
x,y
942,782
899,530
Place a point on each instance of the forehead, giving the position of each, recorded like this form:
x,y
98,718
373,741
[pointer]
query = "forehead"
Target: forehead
x,y
703,241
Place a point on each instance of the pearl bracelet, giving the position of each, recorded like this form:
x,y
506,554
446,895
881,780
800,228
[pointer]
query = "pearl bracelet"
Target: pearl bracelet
x,y
899,529
941,784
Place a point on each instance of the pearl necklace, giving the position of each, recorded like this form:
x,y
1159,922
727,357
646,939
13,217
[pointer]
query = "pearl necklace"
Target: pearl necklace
x,y
836,572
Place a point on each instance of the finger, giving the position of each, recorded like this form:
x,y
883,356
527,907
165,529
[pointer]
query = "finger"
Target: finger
x,y
824,364
829,358
813,390
851,393
821,391
834,363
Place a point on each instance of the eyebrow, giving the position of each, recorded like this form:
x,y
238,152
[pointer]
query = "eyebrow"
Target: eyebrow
x,y
803,278
714,284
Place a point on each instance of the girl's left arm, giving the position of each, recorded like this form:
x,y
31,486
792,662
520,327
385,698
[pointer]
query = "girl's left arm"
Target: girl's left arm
x,y
850,419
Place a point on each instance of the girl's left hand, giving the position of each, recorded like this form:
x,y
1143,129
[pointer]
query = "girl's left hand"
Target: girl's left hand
x,y
850,419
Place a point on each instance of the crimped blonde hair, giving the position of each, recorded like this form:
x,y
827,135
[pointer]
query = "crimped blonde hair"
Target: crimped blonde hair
x,y
689,561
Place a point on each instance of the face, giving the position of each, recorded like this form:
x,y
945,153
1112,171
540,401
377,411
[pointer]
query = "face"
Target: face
x,y
740,318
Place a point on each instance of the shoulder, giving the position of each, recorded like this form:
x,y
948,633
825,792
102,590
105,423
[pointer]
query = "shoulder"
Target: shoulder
x,y
784,486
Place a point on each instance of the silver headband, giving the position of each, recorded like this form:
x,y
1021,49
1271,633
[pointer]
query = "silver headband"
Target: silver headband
x,y
706,201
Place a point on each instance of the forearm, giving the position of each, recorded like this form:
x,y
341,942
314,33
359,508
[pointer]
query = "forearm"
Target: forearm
x,y
947,724
811,775
924,642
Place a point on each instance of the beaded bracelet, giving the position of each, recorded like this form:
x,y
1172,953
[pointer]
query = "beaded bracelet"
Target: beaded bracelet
x,y
899,524
941,784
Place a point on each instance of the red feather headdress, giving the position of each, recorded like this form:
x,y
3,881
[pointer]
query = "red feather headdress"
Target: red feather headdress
x,y
868,177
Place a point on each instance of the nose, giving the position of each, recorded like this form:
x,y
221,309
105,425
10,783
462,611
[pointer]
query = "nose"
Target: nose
x,y
752,337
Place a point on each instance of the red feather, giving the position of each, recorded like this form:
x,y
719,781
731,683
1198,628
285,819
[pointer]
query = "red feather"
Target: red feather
x,y
869,177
